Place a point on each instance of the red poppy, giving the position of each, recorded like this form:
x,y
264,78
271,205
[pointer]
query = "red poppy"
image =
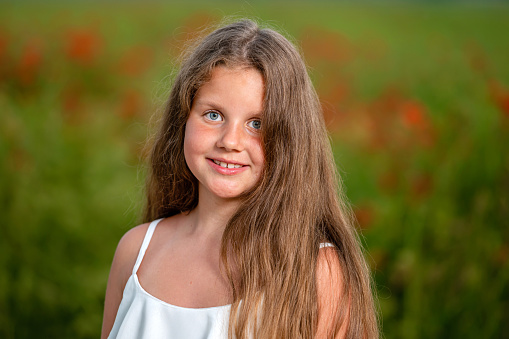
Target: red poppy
x,y
136,61
364,216
29,62
413,114
421,186
500,96
130,105
3,46
83,46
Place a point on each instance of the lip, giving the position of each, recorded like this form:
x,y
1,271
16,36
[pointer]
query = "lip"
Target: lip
x,y
226,171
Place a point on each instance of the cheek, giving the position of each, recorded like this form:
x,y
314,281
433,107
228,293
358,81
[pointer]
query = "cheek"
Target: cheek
x,y
189,146
196,142
259,157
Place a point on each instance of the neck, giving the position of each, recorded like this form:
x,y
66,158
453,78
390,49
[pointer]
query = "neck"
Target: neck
x,y
210,217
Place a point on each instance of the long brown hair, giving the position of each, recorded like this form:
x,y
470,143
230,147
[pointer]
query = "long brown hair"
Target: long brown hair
x,y
270,245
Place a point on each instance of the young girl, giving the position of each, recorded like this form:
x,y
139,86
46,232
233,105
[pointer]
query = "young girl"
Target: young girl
x,y
251,238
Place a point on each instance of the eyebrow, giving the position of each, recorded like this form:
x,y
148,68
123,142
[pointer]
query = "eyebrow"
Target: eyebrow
x,y
208,103
220,108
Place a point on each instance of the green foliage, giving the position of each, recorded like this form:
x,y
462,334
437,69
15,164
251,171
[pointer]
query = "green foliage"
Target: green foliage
x,y
416,100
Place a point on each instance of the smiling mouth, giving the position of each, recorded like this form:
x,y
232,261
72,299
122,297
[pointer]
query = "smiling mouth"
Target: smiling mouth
x,y
226,165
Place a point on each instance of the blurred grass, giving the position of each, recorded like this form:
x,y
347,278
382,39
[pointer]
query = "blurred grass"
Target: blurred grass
x,y
417,103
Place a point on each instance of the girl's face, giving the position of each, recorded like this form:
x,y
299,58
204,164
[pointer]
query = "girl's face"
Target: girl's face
x,y
222,144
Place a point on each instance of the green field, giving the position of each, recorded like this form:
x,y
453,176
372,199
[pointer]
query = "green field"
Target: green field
x,y
416,99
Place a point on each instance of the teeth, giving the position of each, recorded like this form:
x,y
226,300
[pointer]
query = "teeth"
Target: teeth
x,y
226,165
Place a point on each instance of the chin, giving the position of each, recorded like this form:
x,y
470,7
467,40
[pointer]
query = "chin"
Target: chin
x,y
228,193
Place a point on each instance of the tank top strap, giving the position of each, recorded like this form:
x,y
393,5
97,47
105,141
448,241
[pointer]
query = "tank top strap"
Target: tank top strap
x,y
326,244
144,244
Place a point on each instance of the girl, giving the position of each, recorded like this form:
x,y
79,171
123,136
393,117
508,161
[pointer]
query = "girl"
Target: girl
x,y
251,238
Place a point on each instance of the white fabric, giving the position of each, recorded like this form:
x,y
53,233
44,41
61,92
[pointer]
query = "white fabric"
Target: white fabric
x,y
141,315
326,244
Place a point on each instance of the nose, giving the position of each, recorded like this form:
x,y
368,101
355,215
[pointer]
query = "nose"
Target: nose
x,y
232,137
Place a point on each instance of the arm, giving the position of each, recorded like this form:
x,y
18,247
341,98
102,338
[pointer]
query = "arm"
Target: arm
x,y
121,268
329,284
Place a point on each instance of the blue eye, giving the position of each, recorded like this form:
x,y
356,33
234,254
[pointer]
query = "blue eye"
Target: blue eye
x,y
214,116
255,124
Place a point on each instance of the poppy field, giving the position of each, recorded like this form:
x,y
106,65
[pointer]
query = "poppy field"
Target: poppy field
x,y
416,100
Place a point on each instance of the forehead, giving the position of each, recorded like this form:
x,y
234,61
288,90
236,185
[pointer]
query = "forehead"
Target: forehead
x,y
245,75
236,88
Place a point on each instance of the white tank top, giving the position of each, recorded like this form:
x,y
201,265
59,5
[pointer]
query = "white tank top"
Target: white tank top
x,y
141,315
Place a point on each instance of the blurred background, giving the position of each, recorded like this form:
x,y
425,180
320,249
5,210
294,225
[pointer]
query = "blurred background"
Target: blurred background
x,y
416,98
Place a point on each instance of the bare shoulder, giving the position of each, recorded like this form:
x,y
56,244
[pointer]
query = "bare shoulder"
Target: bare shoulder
x,y
329,285
121,268
128,248
328,271
133,238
